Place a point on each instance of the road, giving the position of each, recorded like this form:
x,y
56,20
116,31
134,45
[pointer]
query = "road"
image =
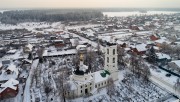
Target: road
x,y
27,97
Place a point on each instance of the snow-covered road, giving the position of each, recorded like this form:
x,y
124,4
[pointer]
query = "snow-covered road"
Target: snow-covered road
x,y
28,82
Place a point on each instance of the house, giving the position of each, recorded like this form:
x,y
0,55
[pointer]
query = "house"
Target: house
x,y
141,28
58,43
9,89
175,65
134,27
162,41
139,49
163,58
81,48
8,72
154,37
28,48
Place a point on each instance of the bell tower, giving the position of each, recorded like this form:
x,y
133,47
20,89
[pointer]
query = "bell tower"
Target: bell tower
x,y
111,63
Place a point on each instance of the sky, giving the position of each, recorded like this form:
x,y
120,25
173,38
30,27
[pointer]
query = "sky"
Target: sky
x,y
89,3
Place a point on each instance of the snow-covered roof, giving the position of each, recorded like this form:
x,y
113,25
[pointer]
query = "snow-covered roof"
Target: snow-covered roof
x,y
27,60
29,46
89,33
98,77
17,55
144,32
141,28
64,52
12,51
65,36
127,49
12,68
5,76
156,48
9,84
83,68
177,62
141,47
163,40
162,56
73,42
119,42
80,46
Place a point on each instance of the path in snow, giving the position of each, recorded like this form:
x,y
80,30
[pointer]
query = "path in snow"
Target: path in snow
x,y
28,82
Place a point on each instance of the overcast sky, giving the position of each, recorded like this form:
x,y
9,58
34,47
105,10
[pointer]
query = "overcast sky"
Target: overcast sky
x,y
89,3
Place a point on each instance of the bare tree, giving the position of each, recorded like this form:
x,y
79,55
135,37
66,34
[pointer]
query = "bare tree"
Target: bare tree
x,y
177,52
146,73
152,57
110,87
76,42
61,84
166,48
121,54
47,88
40,52
36,75
177,85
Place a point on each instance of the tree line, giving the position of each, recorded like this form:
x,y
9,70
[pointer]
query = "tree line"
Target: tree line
x,y
18,16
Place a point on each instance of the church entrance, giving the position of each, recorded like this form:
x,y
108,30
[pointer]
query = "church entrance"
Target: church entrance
x,y
86,91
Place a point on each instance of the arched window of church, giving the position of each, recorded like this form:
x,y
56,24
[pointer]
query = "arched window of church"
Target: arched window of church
x,y
113,51
107,51
113,60
107,59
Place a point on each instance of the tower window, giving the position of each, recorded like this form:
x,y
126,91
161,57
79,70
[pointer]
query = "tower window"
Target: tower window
x,y
113,51
107,59
113,60
107,51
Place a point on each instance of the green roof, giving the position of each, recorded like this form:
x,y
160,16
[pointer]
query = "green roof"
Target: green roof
x,y
104,73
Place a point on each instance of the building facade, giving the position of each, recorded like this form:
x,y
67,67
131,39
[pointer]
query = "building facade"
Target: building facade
x,y
83,82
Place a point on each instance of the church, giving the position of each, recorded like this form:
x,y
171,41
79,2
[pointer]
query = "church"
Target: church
x,y
83,82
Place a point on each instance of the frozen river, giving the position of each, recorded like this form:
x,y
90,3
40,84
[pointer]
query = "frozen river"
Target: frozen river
x,y
124,14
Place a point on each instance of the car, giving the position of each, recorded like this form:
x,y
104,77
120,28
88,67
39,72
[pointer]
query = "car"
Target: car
x,y
49,51
168,75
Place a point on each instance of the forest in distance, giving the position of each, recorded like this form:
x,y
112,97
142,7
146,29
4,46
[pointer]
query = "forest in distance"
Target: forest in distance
x,y
19,16
54,15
